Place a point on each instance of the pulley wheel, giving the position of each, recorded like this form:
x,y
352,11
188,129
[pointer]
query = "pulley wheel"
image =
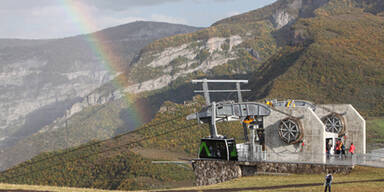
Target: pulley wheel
x,y
334,123
290,131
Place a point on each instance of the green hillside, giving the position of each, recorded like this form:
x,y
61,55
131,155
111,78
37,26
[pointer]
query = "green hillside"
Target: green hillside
x,y
332,59
121,162
97,122
118,169
330,53
375,133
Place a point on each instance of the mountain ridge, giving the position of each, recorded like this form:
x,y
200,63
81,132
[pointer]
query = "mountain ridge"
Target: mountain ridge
x,y
229,40
42,79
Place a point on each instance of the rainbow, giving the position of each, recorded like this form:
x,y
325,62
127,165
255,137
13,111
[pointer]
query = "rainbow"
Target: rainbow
x,y
81,14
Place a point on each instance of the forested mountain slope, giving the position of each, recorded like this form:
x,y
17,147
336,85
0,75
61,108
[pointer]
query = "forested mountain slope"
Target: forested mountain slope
x,y
334,57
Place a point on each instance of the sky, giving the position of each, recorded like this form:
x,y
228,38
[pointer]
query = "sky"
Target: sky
x,y
43,19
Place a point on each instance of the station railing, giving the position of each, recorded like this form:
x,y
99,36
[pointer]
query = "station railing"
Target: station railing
x,y
257,155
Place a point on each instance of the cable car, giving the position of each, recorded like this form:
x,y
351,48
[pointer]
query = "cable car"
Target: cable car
x,y
224,149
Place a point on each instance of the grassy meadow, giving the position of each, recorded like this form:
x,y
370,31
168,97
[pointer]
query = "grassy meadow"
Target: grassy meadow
x,y
359,174
354,182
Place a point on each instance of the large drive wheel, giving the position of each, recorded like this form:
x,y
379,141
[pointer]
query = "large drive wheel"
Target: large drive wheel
x,y
290,131
334,123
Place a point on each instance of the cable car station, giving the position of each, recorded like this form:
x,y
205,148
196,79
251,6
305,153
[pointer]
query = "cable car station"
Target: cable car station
x,y
280,136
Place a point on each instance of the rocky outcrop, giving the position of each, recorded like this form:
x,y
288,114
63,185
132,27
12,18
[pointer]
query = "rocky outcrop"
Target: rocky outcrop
x,y
282,18
94,98
27,88
280,13
293,9
165,57
209,54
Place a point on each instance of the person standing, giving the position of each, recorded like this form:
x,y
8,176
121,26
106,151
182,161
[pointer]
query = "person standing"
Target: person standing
x,y
328,149
342,147
352,149
337,148
328,181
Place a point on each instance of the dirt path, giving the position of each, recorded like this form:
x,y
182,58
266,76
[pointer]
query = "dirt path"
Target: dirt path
x,y
280,186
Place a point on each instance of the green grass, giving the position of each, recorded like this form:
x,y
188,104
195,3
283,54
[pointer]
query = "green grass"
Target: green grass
x,y
358,174
375,130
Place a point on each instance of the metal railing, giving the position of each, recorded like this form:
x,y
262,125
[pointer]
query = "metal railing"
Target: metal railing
x,y
245,153
373,160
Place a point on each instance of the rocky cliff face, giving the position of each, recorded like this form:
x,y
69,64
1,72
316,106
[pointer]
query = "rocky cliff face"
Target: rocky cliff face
x,y
43,80
174,62
32,96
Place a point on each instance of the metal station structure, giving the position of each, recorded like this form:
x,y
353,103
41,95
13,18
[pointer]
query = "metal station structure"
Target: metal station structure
x,y
277,128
